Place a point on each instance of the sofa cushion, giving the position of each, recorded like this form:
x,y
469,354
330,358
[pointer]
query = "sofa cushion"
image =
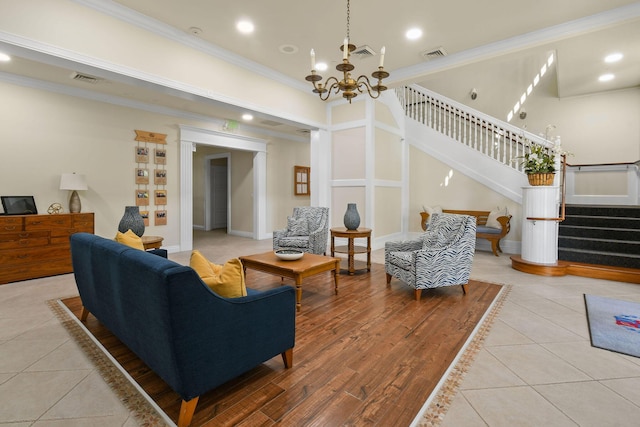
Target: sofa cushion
x,y
487,230
492,219
225,280
297,226
130,239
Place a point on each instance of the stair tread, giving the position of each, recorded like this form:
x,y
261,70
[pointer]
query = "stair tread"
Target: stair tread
x,y
588,251
597,239
590,227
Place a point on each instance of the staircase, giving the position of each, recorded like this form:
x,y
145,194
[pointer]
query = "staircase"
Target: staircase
x,y
601,235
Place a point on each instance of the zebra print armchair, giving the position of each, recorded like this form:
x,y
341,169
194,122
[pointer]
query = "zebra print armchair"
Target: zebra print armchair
x,y
307,230
442,256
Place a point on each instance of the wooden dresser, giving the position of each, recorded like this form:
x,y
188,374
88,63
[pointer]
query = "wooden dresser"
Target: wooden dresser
x,y
38,245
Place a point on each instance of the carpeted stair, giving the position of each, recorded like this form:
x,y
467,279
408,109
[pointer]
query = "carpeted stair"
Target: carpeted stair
x,y
603,235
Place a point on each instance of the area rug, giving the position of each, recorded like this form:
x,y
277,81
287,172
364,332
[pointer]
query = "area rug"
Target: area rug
x,y
148,413
614,324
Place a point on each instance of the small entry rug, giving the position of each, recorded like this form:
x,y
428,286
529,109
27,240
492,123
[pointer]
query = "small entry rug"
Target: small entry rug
x,y
614,324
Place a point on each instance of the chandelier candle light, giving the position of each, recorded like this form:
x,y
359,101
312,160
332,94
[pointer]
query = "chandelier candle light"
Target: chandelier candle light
x,y
347,85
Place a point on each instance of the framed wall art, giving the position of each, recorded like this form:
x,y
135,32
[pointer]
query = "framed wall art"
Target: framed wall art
x,y
301,185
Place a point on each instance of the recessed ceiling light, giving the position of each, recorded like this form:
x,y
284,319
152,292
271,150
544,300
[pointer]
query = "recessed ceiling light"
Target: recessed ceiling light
x,y
247,117
245,27
4,57
614,57
606,77
414,33
321,66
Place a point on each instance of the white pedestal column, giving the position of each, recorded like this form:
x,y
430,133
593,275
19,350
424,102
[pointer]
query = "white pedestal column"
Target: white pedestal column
x,y
540,238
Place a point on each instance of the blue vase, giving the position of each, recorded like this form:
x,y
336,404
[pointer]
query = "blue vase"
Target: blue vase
x,y
132,220
351,217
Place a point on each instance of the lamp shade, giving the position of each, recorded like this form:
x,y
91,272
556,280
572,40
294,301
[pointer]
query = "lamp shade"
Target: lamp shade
x,y
73,181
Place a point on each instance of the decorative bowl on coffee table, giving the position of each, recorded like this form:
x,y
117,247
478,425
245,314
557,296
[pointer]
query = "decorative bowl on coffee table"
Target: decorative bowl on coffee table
x,y
289,254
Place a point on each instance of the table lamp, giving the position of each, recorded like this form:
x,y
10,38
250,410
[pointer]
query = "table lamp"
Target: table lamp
x,y
73,182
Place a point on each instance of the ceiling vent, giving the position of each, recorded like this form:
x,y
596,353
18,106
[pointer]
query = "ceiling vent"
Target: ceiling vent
x,y
85,78
434,53
364,52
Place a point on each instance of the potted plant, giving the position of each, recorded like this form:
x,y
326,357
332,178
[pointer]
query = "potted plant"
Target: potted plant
x,y
539,165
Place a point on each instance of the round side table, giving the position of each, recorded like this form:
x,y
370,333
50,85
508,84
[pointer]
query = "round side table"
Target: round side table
x,y
351,248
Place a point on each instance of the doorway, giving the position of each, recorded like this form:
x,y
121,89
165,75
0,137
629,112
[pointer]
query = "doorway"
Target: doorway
x,y
217,192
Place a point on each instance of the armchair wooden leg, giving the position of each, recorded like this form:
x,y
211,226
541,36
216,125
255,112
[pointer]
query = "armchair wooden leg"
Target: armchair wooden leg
x,y
287,358
388,279
186,411
464,288
84,314
418,293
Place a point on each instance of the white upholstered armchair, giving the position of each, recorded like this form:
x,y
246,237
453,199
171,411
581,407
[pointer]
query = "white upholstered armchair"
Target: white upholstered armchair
x,y
442,256
307,230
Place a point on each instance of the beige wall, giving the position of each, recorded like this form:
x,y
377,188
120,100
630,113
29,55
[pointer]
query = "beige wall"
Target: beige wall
x,y
44,134
432,183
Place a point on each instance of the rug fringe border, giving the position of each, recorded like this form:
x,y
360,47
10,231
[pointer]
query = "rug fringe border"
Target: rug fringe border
x,y
135,399
435,408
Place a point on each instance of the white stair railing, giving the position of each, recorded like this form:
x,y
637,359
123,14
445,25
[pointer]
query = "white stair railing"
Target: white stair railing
x,y
481,132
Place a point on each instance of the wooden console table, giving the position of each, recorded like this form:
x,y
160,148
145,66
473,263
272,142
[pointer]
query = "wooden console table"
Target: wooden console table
x,y
38,245
351,248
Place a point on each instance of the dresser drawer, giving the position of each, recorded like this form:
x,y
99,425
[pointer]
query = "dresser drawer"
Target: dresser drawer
x,y
24,239
15,273
11,223
34,255
41,222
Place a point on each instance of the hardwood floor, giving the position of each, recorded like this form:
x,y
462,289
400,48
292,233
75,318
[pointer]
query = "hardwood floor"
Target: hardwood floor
x,y
370,355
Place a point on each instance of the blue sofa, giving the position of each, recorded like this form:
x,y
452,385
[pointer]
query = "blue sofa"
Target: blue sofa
x,y
192,338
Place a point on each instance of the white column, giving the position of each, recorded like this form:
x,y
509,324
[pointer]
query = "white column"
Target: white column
x,y
186,195
540,238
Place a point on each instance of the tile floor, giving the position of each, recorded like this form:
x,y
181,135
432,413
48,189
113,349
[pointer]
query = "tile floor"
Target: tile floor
x,y
536,367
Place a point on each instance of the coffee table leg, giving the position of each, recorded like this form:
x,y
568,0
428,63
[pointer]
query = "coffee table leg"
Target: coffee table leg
x,y
298,293
336,274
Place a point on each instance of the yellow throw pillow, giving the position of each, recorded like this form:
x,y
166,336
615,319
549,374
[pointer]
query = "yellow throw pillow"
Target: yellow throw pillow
x,y
130,239
225,280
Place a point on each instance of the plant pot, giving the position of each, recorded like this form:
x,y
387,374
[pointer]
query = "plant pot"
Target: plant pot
x,y
541,178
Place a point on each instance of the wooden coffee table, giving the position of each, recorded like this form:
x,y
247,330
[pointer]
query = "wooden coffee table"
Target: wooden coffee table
x,y
308,265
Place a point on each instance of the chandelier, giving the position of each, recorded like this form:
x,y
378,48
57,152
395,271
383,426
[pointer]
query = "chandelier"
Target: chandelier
x,y
349,86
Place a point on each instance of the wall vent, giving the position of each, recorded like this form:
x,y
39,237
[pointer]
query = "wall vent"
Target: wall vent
x,y
364,52
434,53
85,78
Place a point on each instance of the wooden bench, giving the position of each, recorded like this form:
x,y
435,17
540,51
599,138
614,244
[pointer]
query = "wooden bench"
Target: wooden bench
x,y
482,231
